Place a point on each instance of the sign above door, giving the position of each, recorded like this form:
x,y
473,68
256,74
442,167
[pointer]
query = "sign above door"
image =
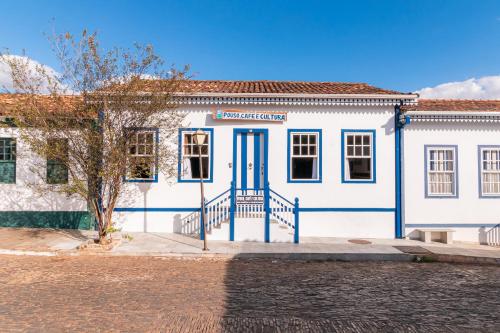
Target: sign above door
x,y
235,114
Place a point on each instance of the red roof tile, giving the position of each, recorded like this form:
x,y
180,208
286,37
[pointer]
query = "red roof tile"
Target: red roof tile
x,y
455,105
56,104
274,87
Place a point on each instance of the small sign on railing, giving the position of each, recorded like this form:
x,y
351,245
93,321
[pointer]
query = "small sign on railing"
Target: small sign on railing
x,y
250,199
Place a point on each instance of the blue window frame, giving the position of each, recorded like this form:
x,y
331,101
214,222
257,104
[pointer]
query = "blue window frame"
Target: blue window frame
x,y
142,152
489,171
188,165
441,171
304,157
359,158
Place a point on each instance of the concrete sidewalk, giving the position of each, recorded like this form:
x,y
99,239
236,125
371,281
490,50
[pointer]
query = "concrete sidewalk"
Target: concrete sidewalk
x,y
39,240
165,244
65,242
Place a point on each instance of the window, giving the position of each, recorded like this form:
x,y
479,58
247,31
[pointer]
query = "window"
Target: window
x,y
441,175
142,155
304,154
189,156
358,150
490,171
7,160
57,172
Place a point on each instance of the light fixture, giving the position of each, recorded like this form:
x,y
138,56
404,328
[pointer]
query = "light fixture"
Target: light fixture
x,y
199,137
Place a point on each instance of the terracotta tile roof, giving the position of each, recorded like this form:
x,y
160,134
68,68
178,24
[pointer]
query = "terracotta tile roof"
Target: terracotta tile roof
x,y
274,87
9,102
455,105
55,104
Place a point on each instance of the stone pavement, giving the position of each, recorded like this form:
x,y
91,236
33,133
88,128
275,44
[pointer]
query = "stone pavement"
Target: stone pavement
x,y
160,294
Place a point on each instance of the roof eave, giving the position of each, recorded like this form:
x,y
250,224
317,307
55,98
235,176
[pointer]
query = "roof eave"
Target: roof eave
x,y
452,113
328,96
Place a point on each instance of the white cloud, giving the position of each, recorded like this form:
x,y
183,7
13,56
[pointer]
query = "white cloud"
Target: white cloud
x,y
486,87
5,72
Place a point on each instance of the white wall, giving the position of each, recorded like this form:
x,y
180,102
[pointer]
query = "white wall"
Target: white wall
x,y
168,193
25,194
468,208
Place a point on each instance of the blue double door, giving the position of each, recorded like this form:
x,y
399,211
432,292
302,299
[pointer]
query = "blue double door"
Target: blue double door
x,y
250,159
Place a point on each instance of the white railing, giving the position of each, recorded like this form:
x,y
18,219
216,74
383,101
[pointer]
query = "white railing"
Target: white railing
x,y
493,236
190,224
282,210
252,206
217,210
244,203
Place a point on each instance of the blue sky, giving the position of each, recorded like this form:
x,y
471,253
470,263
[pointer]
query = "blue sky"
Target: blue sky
x,y
404,45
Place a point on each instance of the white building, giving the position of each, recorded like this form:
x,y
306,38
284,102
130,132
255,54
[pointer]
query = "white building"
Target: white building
x,y
285,160
452,168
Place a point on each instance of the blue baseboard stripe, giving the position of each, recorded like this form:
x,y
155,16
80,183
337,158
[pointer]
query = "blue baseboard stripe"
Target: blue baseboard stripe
x,y
154,209
451,225
301,209
347,209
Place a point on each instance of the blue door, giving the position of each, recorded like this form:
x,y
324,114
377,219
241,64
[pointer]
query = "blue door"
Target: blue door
x,y
250,178
250,159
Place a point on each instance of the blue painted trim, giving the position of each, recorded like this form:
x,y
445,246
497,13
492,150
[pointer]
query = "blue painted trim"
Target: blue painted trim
x,y
452,196
244,160
301,209
296,211
479,171
267,208
231,211
179,155
374,156
451,225
346,209
320,155
398,129
157,144
202,226
237,131
157,209
256,154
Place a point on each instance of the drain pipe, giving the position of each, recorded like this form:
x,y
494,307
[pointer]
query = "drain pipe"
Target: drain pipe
x,y
399,122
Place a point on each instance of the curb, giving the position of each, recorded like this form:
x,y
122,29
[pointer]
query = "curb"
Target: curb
x,y
341,257
345,257
458,259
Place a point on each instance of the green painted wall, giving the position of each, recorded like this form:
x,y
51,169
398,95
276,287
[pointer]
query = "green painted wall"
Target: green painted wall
x,y
48,219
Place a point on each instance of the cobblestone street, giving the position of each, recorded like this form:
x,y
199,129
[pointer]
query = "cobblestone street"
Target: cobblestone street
x,y
86,293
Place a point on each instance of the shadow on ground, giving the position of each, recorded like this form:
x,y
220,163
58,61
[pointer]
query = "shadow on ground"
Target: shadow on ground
x,y
296,296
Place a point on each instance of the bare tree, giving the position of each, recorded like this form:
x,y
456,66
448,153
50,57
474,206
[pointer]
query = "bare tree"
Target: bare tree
x,y
83,118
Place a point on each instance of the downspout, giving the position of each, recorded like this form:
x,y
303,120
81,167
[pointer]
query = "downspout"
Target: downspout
x,y
399,123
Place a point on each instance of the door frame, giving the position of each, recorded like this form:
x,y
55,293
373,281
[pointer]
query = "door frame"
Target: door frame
x,y
237,131
265,131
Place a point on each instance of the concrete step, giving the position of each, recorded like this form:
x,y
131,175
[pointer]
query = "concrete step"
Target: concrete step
x,y
251,229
